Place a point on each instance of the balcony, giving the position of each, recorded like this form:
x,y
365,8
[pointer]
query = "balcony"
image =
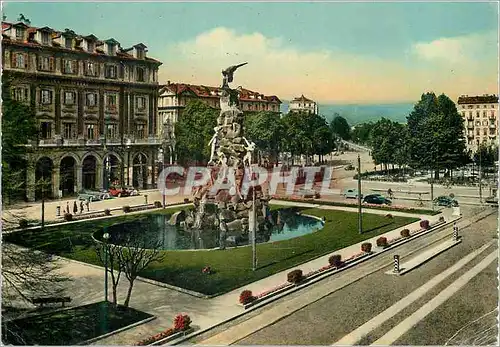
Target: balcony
x,y
470,126
147,141
492,126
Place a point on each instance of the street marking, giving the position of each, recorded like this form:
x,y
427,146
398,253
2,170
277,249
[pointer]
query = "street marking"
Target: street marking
x,y
444,295
357,334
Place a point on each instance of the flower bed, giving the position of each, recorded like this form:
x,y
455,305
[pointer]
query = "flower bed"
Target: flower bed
x,y
182,323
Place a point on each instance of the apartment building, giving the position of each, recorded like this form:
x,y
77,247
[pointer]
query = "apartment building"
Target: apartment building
x,y
303,104
96,107
480,115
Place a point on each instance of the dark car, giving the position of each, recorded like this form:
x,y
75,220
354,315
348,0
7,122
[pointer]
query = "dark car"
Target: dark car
x,y
445,201
376,199
492,200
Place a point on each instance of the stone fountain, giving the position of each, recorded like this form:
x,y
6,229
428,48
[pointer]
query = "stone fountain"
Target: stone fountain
x,y
229,212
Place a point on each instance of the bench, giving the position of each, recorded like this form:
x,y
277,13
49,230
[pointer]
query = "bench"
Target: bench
x,y
50,300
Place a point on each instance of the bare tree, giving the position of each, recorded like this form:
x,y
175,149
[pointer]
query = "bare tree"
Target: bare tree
x,y
115,267
135,256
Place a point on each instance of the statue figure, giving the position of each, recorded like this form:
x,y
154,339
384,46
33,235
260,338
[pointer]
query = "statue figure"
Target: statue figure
x,y
213,142
250,148
228,75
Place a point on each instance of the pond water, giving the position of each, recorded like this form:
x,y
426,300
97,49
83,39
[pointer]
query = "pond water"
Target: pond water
x,y
152,229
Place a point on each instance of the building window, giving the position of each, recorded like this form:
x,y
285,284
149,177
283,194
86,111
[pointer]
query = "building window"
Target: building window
x,y
111,131
140,131
91,131
20,94
69,66
485,131
45,63
45,130
140,74
477,113
111,101
110,71
69,130
46,97
20,60
91,99
90,47
20,33
140,54
91,69
68,43
141,103
45,38
478,132
69,98
493,113
470,113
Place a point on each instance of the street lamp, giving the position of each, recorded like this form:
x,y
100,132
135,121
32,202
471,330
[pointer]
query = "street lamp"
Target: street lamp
x,y
106,237
129,143
162,161
360,213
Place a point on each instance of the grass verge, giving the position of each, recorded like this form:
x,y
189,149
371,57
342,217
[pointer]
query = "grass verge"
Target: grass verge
x,y
71,326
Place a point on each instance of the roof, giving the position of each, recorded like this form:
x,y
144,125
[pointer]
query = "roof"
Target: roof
x,y
214,92
302,98
111,41
30,42
478,99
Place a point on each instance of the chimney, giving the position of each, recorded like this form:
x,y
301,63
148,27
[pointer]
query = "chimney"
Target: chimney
x,y
168,83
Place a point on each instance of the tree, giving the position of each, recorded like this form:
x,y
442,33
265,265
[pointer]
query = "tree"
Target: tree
x,y
436,134
19,127
194,131
340,127
361,133
109,254
485,156
134,256
266,130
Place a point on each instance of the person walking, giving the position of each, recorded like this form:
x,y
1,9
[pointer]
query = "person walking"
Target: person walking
x,y
75,207
87,203
67,207
81,207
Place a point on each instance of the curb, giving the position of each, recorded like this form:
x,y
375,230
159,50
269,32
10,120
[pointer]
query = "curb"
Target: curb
x,y
133,325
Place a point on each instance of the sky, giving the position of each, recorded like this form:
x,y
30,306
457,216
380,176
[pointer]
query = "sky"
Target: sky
x,y
332,52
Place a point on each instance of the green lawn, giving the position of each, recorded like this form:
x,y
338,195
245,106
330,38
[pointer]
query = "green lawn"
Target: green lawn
x,y
70,327
232,266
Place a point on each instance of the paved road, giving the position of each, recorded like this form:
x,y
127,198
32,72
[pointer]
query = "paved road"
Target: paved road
x,y
329,319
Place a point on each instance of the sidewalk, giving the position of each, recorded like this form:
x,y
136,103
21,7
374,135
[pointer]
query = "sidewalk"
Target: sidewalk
x,y
205,313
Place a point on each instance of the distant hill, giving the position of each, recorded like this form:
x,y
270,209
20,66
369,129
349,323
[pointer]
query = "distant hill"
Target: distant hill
x,y
355,114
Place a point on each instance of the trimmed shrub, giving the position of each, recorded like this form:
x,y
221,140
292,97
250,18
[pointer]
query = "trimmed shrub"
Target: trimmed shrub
x,y
126,209
182,322
158,204
405,233
295,276
424,224
452,195
107,212
335,260
23,223
382,242
441,219
246,297
366,247
186,200
68,217
389,216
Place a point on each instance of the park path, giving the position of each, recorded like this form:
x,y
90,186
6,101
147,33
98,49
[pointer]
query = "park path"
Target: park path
x,y
165,303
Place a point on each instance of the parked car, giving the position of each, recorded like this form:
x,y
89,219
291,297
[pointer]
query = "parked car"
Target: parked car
x,y
118,192
492,200
90,195
351,193
349,167
445,201
376,199
132,191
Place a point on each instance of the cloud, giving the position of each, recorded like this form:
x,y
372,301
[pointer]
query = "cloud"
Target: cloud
x,y
462,49
277,67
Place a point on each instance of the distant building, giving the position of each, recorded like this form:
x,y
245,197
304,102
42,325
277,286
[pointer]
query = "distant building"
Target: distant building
x,y
95,106
480,115
303,104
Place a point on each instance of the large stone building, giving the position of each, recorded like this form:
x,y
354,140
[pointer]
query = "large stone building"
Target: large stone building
x,y
96,106
480,115
303,104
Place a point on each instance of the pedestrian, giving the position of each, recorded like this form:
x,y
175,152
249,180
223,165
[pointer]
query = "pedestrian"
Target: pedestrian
x,y
75,207
67,207
87,203
81,207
